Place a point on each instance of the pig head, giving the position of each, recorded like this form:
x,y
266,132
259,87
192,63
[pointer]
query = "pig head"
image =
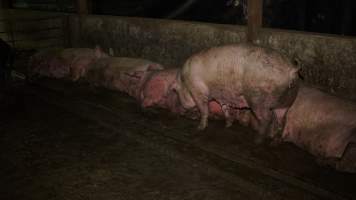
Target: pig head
x,y
157,91
80,59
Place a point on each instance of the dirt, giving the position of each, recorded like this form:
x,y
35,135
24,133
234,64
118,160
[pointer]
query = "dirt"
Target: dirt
x,y
69,141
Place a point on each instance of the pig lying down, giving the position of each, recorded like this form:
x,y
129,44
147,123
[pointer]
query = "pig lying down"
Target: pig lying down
x,y
241,76
322,124
117,73
121,73
325,126
71,63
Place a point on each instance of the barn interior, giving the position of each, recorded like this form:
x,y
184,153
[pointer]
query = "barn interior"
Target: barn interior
x,y
68,140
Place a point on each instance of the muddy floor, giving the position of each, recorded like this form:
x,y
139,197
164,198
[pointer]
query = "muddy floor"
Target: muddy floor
x,y
60,140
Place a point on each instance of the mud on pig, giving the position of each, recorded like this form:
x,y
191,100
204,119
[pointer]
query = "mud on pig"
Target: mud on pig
x,y
240,75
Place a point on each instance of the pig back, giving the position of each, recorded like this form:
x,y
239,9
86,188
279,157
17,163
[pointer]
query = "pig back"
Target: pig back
x,y
232,70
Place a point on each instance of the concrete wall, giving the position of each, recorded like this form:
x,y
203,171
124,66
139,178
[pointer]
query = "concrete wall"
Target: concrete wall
x,y
165,41
327,61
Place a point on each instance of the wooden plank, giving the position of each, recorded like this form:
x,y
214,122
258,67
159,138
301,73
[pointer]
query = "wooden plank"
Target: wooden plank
x,y
254,8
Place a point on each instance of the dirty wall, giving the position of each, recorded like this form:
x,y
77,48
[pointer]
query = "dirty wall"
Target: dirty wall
x,y
327,61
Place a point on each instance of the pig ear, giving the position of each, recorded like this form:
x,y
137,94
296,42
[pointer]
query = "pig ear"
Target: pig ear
x,y
98,51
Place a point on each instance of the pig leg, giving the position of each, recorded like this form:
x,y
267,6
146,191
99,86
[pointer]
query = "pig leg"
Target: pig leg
x,y
264,117
277,126
200,94
228,119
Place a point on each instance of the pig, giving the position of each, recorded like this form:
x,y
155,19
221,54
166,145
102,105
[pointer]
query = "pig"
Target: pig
x,y
320,123
121,73
156,91
242,76
47,63
79,59
70,63
6,61
324,125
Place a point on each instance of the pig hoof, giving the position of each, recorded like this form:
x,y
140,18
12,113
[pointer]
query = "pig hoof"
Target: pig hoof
x,y
201,127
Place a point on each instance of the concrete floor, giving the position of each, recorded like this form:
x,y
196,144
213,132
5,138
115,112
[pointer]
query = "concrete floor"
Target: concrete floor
x,y
61,140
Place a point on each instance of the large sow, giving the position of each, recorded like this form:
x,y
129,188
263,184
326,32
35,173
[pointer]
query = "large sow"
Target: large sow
x,y
240,76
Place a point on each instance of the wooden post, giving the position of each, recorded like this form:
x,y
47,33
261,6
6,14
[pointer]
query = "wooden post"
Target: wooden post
x,y
254,8
83,7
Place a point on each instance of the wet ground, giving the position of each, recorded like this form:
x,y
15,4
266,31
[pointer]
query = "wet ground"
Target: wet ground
x,y
61,140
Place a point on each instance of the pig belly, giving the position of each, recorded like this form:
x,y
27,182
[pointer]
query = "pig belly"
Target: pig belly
x,y
320,123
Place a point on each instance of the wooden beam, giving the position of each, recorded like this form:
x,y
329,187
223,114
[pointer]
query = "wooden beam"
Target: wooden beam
x,y
254,8
83,7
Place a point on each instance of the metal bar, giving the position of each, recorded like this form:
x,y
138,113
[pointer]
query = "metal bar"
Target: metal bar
x,y
254,19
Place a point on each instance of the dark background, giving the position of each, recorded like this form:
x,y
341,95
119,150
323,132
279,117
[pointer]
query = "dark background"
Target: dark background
x,y
324,16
